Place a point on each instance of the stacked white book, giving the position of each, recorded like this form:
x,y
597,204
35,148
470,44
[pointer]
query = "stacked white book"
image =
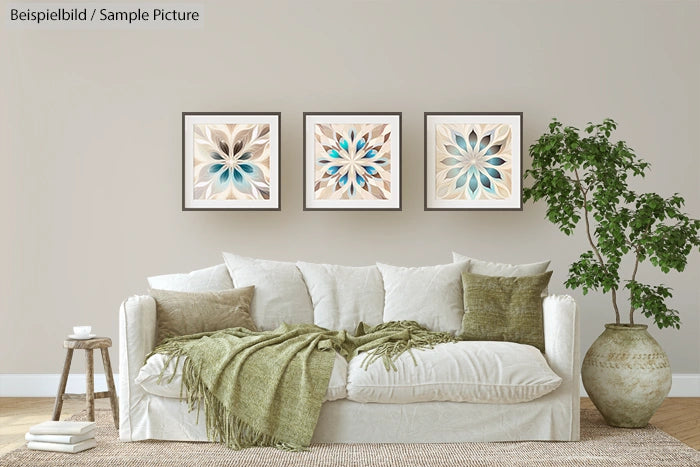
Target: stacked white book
x,y
64,436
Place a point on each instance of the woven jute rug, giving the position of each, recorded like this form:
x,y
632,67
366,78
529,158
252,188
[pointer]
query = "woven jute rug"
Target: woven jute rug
x,y
600,445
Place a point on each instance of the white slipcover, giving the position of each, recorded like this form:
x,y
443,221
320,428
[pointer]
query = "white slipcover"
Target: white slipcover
x,y
554,416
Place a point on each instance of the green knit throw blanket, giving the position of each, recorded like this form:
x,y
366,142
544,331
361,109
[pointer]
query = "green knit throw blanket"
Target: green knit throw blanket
x,y
266,388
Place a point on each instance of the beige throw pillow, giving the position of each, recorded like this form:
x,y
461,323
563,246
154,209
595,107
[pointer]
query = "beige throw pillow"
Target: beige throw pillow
x,y
183,313
504,308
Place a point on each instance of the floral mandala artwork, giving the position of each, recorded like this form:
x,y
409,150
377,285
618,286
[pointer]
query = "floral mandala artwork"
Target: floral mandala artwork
x,y
473,161
231,161
352,161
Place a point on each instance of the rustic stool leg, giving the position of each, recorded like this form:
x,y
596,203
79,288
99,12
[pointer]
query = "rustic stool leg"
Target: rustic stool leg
x,y
58,405
90,385
110,386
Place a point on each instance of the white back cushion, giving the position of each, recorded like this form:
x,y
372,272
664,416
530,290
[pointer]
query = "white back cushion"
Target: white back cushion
x,y
487,268
468,371
430,295
343,296
280,292
212,279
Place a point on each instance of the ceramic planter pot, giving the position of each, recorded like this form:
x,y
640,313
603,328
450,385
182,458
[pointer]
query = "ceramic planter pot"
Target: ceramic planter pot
x,y
627,375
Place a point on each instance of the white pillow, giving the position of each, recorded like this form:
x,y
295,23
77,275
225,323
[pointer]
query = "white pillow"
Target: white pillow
x,y
343,296
468,371
280,292
212,279
486,268
430,295
166,383
151,381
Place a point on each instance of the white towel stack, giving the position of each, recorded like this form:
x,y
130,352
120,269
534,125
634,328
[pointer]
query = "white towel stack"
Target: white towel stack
x,y
62,436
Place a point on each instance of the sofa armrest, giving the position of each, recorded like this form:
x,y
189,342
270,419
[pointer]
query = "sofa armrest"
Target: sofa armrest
x,y
562,348
561,336
137,335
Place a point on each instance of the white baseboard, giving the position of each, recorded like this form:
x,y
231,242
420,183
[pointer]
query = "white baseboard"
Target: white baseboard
x,y
46,385
682,385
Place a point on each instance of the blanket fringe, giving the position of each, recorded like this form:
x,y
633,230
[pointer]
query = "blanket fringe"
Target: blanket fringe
x,y
222,425
418,338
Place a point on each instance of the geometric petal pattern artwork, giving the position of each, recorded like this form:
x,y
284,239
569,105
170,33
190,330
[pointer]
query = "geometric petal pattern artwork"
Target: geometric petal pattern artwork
x,y
231,161
352,161
473,161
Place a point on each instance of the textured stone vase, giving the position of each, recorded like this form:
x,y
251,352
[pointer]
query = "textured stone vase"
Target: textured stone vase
x,y
627,375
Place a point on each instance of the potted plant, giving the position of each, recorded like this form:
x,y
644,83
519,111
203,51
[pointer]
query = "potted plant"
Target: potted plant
x,y
583,176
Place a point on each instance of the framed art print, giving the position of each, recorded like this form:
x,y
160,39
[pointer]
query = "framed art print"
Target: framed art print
x,y
473,161
352,161
230,161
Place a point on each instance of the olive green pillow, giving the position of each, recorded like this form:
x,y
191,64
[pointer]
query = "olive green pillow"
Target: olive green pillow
x,y
182,313
504,308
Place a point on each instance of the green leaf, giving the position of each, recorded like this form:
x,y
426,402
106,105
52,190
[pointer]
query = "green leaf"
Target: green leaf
x,y
584,176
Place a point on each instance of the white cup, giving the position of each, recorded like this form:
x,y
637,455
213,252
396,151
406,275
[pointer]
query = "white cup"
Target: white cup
x,y
82,331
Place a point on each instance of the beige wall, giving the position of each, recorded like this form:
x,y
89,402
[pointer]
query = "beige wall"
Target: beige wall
x,y
91,153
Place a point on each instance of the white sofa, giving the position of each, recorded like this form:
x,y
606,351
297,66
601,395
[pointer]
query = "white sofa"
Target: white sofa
x,y
554,416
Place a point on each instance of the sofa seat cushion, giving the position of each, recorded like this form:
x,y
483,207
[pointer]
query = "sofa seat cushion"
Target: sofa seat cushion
x,y
149,378
474,371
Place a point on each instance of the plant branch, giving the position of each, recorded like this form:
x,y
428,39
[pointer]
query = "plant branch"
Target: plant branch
x,y
575,169
634,275
586,218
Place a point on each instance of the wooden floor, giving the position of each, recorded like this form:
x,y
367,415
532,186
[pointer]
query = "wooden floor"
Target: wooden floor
x,y
17,414
679,416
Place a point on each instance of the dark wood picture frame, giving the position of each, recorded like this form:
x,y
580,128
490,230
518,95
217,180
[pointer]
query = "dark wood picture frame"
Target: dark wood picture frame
x,y
393,204
274,203
429,204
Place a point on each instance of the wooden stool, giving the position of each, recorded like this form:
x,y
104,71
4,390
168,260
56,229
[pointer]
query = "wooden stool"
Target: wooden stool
x,y
102,343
